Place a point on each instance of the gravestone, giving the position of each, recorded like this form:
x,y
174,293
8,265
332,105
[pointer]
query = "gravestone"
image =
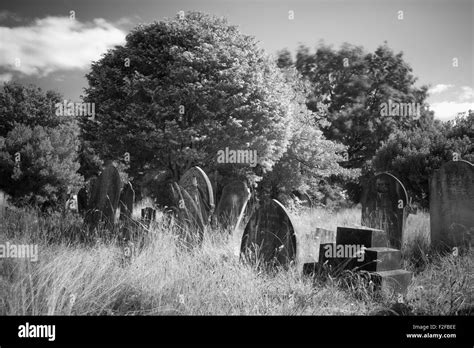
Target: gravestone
x,y
127,199
452,205
269,236
384,206
189,216
197,184
234,198
82,198
148,214
104,198
285,199
3,202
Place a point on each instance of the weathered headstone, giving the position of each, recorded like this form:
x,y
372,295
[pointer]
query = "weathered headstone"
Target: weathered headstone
x,y
269,236
452,205
234,198
127,199
196,182
148,214
384,206
104,198
189,215
82,198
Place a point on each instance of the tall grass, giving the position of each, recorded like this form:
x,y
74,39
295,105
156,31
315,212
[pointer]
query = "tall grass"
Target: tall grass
x,y
161,277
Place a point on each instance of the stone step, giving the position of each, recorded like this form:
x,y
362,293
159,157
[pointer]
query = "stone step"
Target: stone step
x,y
381,259
368,237
396,280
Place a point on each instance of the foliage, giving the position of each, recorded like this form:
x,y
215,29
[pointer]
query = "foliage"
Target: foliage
x,y
194,86
310,159
413,155
38,158
354,85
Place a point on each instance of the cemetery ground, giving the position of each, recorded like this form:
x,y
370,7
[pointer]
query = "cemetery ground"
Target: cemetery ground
x,y
163,278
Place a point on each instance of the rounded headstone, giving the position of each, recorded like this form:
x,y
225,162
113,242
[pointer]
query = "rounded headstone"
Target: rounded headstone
x,y
104,198
232,203
269,236
196,182
188,215
452,205
384,206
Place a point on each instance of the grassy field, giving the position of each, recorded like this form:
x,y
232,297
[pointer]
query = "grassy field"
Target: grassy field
x,y
163,278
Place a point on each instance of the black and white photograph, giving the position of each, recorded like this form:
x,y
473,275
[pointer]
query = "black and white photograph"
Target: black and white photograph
x,y
172,161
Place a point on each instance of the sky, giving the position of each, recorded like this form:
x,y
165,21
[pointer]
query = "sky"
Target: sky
x,y
42,45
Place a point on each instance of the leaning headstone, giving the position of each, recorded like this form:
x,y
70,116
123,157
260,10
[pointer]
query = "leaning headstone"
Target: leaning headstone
x,y
104,198
127,199
384,206
452,205
269,236
234,198
197,184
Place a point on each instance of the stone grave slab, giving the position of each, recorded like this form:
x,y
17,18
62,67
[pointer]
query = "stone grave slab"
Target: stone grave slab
x,y
104,198
384,206
396,281
196,182
269,236
127,199
232,203
381,259
366,236
188,215
452,205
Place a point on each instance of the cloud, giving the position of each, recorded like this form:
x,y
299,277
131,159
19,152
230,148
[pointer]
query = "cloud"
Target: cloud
x,y
5,14
449,109
439,88
467,94
56,43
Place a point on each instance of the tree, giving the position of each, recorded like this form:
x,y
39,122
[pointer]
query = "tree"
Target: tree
x,y
311,160
413,155
38,164
27,105
181,90
355,86
38,158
